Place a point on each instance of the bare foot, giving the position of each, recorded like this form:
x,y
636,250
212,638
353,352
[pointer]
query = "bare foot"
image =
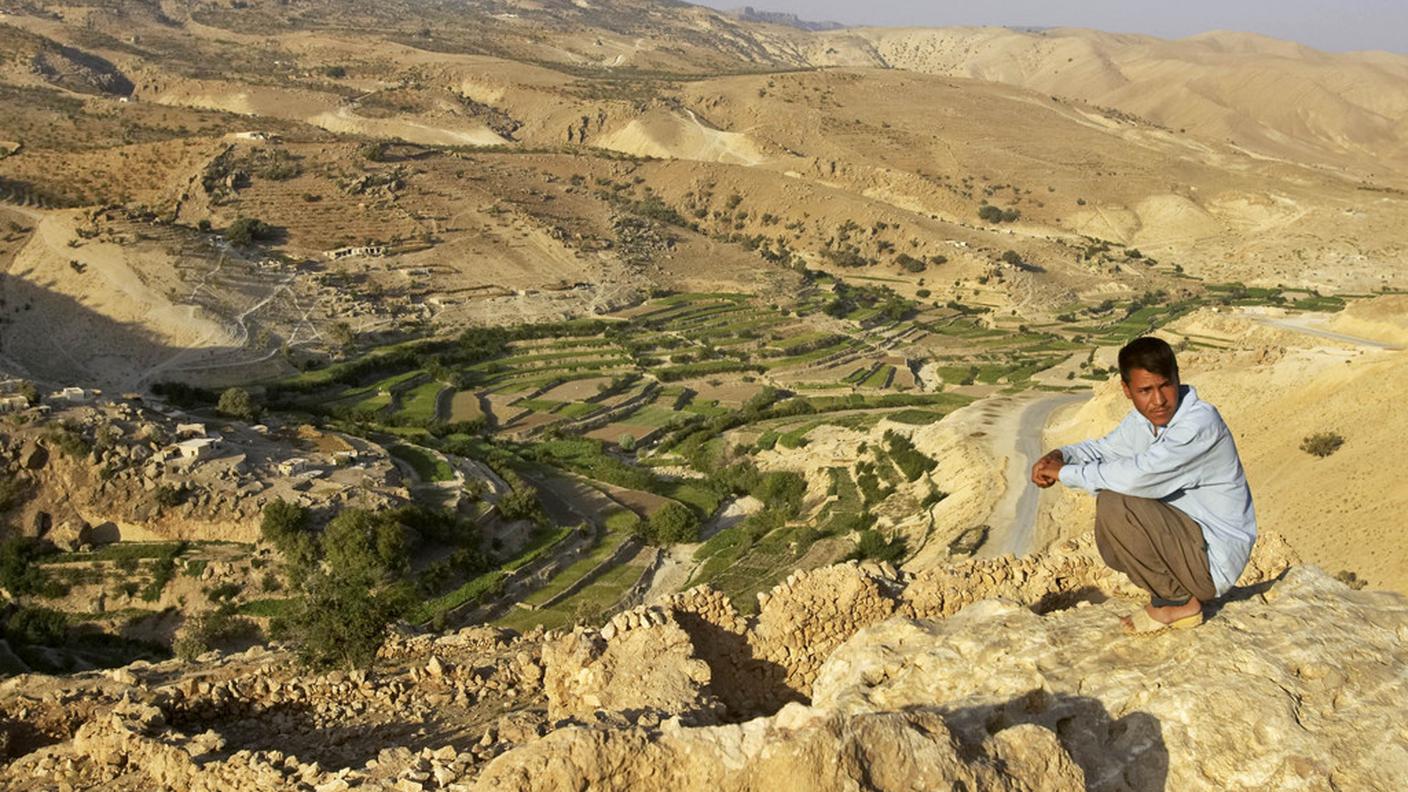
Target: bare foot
x,y
1168,614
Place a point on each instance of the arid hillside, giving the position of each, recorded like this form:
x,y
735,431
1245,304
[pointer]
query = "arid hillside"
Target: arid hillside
x,y
621,394
435,165
1276,100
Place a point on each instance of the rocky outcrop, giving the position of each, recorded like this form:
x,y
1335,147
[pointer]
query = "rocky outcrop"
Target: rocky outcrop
x,y
1292,684
96,473
253,721
798,750
640,662
759,665
1299,686
994,674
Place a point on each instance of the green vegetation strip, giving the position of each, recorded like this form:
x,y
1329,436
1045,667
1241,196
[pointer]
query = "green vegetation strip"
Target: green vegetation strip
x,y
592,604
544,540
429,466
471,591
269,608
620,526
418,403
119,552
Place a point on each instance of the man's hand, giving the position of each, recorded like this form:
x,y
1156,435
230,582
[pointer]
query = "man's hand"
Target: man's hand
x,y
1047,470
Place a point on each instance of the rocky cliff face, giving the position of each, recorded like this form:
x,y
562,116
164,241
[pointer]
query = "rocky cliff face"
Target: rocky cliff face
x,y
997,674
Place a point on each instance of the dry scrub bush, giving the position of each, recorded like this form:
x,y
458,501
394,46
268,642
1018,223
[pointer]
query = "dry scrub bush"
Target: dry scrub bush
x,y
1322,444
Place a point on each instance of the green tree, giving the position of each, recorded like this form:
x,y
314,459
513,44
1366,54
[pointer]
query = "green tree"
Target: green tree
x,y
672,524
39,626
342,619
237,403
781,490
285,526
910,263
521,504
246,231
740,478
359,543
19,574
873,545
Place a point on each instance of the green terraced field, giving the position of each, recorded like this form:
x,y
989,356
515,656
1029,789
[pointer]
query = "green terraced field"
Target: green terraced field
x,y
426,465
619,528
471,591
880,378
418,403
592,605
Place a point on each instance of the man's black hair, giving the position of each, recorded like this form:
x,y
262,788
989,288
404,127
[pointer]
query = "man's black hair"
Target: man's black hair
x,y
1154,355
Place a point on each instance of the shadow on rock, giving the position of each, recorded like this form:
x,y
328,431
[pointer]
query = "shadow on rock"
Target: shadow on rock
x,y
748,686
1124,754
1242,593
298,731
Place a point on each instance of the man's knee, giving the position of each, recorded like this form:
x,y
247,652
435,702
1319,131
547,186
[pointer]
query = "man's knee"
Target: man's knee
x,y
1110,509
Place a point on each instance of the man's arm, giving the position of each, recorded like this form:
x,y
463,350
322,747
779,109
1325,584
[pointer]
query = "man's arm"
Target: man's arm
x,y
1115,444
1164,468
1047,470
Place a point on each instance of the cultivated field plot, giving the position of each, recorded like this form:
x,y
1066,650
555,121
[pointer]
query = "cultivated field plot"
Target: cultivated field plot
x,y
648,369
588,586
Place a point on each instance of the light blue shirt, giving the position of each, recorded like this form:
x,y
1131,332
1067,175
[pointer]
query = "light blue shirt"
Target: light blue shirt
x,y
1191,464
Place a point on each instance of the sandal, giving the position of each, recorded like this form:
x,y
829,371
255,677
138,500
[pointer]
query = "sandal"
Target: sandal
x,y
1141,623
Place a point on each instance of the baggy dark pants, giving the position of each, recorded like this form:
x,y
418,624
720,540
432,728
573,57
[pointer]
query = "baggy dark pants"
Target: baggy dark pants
x,y
1160,548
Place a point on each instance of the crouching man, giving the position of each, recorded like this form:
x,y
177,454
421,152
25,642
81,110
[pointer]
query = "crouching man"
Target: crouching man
x,y
1173,510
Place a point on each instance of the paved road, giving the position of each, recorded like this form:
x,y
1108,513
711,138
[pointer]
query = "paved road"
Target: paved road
x,y
1013,520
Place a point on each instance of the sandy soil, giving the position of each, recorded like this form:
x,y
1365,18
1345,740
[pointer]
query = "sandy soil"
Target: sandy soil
x,y
576,390
464,406
116,319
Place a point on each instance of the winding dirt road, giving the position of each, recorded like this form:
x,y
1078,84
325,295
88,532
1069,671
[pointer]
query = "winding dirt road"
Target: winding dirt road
x,y
1307,326
1013,520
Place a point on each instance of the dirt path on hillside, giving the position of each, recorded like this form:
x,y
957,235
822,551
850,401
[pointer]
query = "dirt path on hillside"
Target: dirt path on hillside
x,y
1017,437
1305,326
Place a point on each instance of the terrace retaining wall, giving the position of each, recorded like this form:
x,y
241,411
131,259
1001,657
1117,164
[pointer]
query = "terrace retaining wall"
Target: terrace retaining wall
x,y
623,553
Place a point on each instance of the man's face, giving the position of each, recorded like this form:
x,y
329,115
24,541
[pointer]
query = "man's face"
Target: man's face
x,y
1154,396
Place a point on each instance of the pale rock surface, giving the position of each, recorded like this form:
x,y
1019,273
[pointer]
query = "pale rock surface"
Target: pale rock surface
x,y
798,750
648,664
1300,687
755,666
808,615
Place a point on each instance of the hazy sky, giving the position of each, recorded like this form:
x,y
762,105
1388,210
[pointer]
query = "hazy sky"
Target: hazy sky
x,y
1337,27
